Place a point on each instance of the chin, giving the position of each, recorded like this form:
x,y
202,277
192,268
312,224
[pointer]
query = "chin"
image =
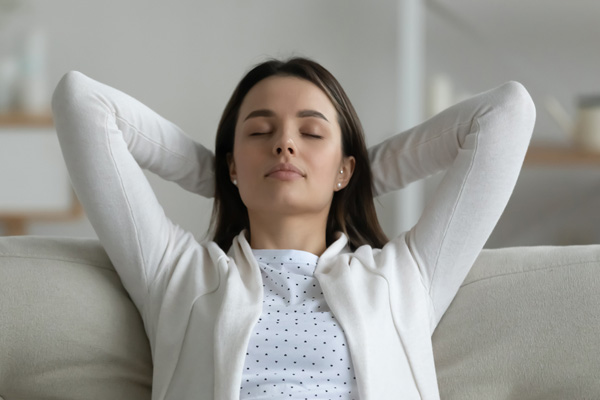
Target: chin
x,y
286,207
285,200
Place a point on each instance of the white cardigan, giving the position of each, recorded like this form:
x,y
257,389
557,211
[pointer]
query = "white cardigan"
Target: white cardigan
x,y
200,304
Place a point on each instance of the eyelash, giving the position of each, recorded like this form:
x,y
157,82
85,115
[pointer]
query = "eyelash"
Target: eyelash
x,y
311,135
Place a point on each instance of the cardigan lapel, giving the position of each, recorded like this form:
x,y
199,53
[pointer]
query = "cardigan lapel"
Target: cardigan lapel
x,y
240,310
359,297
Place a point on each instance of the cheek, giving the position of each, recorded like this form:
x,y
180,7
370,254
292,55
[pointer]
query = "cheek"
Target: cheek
x,y
239,154
247,162
327,166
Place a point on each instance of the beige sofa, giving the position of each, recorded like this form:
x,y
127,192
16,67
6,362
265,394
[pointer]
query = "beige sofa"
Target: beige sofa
x,y
525,325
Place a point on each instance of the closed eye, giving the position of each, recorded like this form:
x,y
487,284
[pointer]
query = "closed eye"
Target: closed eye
x,y
312,135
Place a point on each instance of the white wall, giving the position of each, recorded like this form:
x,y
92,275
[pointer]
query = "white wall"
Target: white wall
x,y
183,58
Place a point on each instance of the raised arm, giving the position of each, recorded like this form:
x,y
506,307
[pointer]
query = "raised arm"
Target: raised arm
x,y
481,142
106,136
418,152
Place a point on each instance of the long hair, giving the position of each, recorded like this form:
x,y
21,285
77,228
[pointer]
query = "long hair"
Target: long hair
x,y
352,210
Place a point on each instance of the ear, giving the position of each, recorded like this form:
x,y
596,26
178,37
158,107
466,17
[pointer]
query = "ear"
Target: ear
x,y
231,165
345,172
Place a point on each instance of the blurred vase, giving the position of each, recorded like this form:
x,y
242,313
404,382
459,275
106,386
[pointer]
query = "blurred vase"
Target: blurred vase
x,y
32,96
8,74
584,129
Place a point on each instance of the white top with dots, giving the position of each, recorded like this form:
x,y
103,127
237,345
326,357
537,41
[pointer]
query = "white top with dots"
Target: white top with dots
x,y
297,349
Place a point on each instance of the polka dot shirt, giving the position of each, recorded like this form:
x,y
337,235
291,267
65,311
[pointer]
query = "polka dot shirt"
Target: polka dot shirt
x,y
297,349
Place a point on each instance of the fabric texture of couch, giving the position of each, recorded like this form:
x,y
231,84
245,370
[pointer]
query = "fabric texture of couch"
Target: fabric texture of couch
x,y
524,326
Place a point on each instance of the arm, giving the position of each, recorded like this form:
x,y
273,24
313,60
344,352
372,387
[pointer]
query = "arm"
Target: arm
x,y
418,152
482,141
156,144
105,137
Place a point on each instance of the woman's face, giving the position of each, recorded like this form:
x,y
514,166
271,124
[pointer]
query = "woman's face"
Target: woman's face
x,y
287,154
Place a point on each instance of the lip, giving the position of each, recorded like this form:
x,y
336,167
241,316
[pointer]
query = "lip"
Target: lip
x,y
285,171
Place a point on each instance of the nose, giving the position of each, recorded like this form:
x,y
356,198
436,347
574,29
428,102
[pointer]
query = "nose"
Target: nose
x,y
285,145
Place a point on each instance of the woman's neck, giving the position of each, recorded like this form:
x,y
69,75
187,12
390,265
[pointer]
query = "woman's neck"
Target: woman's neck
x,y
297,232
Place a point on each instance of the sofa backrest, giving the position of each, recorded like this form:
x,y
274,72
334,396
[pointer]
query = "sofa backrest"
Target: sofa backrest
x,y
68,329
523,326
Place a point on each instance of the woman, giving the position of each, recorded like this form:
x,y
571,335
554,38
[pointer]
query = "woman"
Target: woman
x,y
299,295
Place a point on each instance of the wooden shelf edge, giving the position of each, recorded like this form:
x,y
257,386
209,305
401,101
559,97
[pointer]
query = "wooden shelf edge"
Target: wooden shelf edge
x,y
20,119
564,156
42,215
15,223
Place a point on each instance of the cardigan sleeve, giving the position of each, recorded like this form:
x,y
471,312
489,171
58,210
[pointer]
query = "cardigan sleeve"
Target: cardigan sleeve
x,y
481,143
107,137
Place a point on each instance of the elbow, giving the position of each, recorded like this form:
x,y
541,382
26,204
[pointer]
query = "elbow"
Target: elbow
x,y
66,89
519,97
517,104
72,101
68,95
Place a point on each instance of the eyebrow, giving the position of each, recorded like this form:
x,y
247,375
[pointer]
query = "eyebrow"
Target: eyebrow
x,y
299,114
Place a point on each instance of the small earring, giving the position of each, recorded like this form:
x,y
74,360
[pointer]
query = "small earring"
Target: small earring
x,y
234,182
341,171
339,185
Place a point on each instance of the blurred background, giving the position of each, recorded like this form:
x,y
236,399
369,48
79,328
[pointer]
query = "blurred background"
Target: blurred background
x,y
400,62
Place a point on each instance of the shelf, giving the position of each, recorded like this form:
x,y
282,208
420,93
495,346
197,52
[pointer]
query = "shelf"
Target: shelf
x,y
15,223
561,156
17,119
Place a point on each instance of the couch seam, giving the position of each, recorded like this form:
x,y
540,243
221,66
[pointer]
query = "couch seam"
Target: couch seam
x,y
72,260
556,266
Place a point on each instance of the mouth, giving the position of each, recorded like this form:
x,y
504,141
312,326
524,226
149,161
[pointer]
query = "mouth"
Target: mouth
x,y
285,171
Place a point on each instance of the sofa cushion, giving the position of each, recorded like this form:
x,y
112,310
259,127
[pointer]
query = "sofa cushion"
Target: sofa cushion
x,y
524,325
68,329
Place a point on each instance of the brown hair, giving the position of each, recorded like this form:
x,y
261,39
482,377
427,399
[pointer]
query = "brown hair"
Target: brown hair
x,y
352,210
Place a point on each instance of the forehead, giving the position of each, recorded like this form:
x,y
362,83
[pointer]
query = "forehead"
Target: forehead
x,y
286,94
